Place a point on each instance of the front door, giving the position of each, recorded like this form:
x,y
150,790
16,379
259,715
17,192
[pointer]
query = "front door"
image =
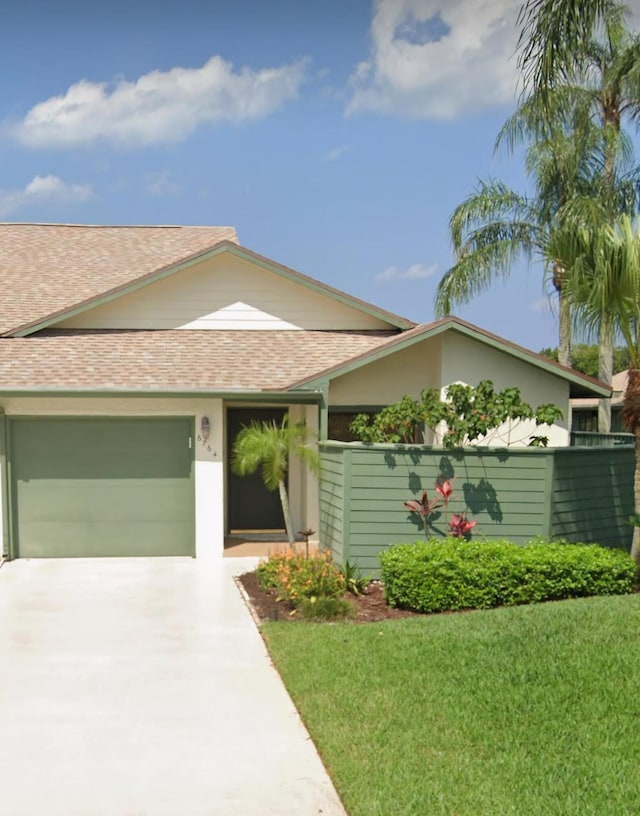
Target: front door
x,y
251,506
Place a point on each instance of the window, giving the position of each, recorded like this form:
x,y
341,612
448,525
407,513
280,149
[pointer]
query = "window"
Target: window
x,y
586,421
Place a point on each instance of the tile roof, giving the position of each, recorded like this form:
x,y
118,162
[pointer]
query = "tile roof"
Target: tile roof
x,y
174,359
49,268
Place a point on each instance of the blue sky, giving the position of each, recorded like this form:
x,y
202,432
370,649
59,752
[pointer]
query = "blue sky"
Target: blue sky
x,y
337,137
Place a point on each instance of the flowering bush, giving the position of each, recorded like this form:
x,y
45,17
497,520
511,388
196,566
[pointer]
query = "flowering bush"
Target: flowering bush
x,y
294,576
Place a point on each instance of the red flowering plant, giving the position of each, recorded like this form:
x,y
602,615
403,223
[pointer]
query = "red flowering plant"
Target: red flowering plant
x,y
428,510
459,526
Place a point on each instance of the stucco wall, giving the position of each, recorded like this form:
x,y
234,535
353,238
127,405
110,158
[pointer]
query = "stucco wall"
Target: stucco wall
x,y
468,361
224,292
303,485
407,371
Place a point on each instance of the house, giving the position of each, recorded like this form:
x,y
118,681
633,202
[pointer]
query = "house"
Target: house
x,y
584,410
131,356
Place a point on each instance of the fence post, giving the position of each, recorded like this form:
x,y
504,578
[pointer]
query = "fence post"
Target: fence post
x,y
346,504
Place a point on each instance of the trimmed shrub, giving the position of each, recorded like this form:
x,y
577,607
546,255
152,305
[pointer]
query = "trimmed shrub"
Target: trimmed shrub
x,y
295,576
448,574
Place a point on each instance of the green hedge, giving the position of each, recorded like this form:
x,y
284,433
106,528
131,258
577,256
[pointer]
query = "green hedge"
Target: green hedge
x,y
446,574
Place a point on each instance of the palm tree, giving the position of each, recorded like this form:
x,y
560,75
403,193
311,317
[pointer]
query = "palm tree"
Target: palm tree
x,y
553,32
604,288
269,446
495,226
587,45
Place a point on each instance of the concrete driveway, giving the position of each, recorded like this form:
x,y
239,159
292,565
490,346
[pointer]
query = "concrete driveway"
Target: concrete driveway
x,y
141,687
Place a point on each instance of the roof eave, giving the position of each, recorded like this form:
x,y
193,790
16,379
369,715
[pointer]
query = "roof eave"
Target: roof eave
x,y
226,245
308,396
579,384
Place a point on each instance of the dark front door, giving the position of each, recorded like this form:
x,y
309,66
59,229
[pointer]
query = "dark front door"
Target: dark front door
x,y
251,506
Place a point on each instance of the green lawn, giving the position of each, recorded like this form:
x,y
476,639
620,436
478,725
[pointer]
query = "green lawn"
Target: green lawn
x,y
527,710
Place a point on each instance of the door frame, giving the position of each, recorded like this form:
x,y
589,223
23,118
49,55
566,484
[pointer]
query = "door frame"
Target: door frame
x,y
255,410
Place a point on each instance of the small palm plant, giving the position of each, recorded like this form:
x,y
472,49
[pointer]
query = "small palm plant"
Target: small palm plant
x,y
269,446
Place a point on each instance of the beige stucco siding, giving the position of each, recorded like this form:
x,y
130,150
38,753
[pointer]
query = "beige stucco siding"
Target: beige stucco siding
x,y
224,292
384,381
469,361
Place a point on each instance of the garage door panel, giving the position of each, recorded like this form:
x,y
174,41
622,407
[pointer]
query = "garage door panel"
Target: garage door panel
x,y
44,500
83,487
103,539
129,449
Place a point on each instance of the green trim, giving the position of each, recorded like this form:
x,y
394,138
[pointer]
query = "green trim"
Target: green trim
x,y
324,412
477,449
287,397
346,505
10,495
233,249
4,475
355,409
420,334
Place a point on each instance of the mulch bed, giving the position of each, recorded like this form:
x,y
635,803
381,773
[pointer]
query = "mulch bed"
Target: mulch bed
x,y
370,607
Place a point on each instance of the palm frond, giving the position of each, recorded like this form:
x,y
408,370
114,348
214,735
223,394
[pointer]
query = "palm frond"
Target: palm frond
x,y
545,116
489,254
492,201
268,446
603,283
551,34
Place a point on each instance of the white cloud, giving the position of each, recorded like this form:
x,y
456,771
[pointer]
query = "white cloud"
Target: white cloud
x,y
442,59
39,190
416,271
161,184
159,107
438,59
337,153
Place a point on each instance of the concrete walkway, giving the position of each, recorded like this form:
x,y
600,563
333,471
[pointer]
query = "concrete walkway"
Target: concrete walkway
x,y
141,687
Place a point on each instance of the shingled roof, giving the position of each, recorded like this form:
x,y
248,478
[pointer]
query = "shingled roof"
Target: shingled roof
x,y
173,360
49,268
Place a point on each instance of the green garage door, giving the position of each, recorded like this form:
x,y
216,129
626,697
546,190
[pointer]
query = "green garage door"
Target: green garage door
x,y
99,487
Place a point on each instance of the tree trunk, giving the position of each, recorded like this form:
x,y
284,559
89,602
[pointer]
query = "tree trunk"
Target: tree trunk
x,y
286,510
605,373
611,123
564,325
631,418
564,317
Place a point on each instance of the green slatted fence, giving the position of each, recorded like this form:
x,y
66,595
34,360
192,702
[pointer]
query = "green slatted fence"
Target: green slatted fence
x,y
582,494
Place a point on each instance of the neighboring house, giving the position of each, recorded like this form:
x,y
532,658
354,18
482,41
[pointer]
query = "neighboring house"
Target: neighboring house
x,y
584,410
131,356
